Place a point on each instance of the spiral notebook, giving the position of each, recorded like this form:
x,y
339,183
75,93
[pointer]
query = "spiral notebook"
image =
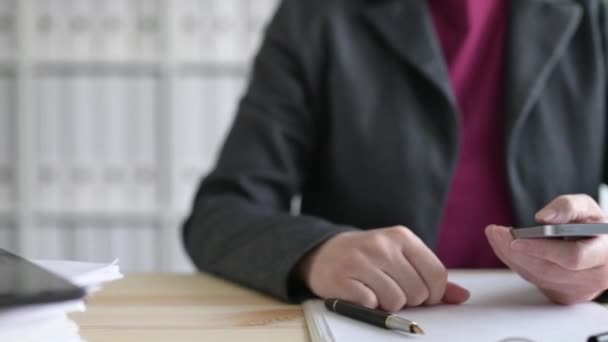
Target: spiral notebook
x,y
502,307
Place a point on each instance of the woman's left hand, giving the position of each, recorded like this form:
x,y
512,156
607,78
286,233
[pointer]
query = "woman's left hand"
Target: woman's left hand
x,y
567,272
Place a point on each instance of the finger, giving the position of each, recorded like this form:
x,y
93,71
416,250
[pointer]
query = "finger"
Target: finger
x,y
541,272
355,291
455,294
571,208
400,269
427,266
572,255
500,239
559,284
390,296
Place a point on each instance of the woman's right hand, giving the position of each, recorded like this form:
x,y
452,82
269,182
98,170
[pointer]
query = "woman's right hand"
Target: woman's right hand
x,y
388,268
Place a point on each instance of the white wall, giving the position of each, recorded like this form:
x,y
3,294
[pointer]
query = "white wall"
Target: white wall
x,y
110,112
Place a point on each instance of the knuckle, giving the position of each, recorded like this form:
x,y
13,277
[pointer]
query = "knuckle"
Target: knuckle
x,y
438,275
418,296
437,285
394,301
404,232
568,203
399,232
350,265
378,246
377,240
584,197
368,299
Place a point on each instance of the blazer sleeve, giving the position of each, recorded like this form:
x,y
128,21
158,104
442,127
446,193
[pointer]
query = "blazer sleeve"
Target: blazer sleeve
x,y
603,298
604,24
240,226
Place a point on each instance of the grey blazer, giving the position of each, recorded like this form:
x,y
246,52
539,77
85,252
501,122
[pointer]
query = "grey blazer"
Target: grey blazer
x,y
350,106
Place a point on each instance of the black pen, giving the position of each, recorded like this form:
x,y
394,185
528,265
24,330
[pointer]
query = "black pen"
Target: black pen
x,y
376,317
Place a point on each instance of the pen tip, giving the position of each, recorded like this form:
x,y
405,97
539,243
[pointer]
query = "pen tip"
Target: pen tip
x,y
416,329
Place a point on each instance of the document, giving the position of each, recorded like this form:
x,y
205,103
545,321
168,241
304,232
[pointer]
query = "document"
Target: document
x,y
50,322
503,307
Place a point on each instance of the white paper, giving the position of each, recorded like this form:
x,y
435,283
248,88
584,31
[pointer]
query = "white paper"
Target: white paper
x,y
502,307
49,322
33,314
53,328
83,273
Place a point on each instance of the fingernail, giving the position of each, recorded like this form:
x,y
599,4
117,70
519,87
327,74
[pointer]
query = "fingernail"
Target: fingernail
x,y
547,214
521,246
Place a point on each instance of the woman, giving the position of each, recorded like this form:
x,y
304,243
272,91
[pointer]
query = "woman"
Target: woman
x,y
416,133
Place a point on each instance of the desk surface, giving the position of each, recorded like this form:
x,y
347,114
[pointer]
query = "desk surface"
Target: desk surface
x,y
180,308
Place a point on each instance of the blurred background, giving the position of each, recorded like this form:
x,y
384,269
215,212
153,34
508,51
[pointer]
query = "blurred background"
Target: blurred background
x,y
110,113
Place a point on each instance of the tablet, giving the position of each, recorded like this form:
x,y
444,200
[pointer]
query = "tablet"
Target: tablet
x,y
561,230
23,282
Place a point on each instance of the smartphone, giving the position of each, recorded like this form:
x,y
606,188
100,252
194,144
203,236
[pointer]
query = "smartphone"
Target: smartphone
x,y
573,230
23,282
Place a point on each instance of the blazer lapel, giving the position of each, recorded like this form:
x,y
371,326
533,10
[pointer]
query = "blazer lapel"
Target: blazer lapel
x,y
406,27
539,33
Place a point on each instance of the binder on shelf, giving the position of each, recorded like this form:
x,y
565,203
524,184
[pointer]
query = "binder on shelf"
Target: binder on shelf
x,y
189,27
221,96
58,36
116,29
79,17
85,137
116,163
230,91
144,143
50,158
260,13
229,41
147,29
7,234
188,146
121,245
8,28
44,29
7,144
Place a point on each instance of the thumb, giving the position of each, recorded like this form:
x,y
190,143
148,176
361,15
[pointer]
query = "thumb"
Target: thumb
x,y
455,294
571,208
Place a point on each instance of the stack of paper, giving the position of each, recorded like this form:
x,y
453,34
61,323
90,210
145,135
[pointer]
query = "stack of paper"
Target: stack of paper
x,y
49,322
502,307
